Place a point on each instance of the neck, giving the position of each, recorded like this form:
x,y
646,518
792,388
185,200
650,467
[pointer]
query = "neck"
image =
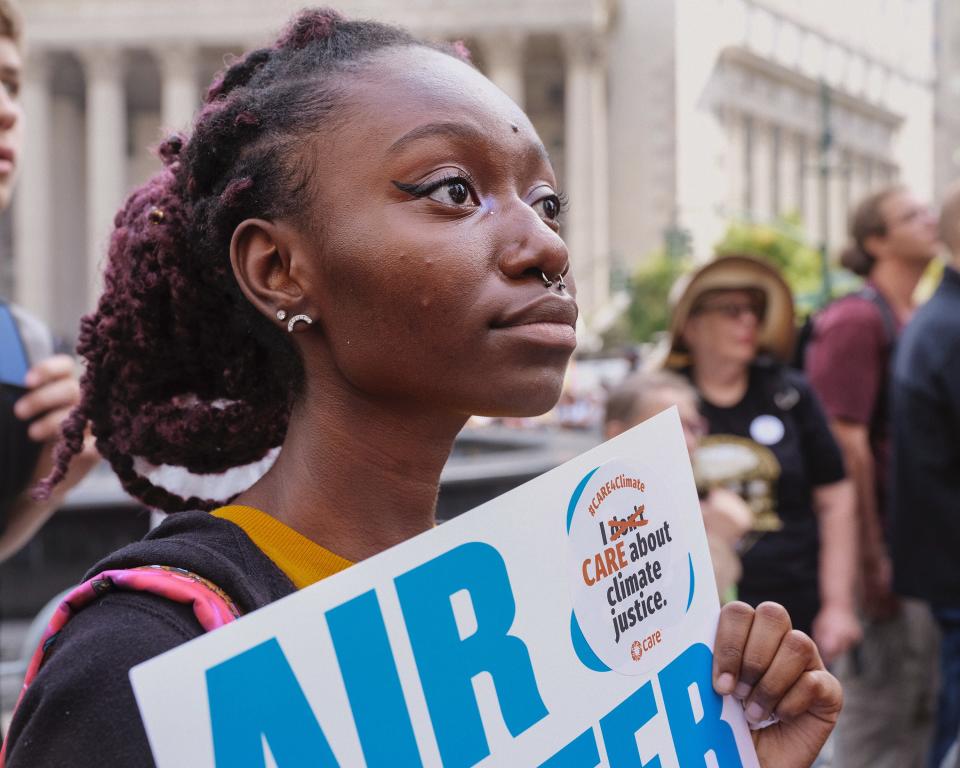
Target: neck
x,y
722,382
356,475
897,279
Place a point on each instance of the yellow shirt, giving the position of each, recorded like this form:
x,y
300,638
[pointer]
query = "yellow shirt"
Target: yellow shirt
x,y
303,561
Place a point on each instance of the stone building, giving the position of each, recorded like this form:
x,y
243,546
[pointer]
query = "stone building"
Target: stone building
x,y
657,114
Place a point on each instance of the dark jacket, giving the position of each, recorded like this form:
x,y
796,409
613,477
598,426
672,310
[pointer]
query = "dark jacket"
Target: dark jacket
x,y
80,710
925,481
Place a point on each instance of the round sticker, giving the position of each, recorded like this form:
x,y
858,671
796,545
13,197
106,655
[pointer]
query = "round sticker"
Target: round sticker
x,y
629,569
767,430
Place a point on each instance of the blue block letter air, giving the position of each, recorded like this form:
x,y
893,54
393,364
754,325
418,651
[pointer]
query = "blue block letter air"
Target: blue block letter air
x,y
255,695
447,664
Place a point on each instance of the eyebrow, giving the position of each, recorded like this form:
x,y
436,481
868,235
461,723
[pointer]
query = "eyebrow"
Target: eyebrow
x,y
458,131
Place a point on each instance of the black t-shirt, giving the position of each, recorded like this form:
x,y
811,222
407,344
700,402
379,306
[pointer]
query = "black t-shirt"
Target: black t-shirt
x,y
773,448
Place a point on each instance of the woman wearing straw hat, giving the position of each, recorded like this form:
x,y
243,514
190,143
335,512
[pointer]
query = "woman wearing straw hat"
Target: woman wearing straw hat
x,y
731,331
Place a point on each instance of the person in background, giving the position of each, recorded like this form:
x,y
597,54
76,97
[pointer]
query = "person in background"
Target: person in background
x,y
51,383
925,477
726,516
889,678
731,327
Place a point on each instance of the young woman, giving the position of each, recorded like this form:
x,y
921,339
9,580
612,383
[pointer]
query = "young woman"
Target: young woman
x,y
356,249
732,328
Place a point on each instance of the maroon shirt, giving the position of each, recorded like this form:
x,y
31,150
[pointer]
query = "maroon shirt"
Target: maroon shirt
x,y
848,364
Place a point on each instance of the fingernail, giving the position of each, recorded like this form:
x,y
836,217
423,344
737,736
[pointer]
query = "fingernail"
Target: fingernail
x,y
30,379
725,683
742,690
754,713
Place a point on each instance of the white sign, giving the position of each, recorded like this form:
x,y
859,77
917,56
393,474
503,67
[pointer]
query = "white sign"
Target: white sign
x,y
566,624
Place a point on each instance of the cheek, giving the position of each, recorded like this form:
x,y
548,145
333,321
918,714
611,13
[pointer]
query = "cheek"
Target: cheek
x,y
402,306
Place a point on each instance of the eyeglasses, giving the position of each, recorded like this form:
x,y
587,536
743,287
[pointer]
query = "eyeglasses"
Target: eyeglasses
x,y
734,310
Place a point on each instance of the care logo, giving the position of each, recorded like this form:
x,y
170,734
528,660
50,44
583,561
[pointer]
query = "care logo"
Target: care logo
x,y
628,570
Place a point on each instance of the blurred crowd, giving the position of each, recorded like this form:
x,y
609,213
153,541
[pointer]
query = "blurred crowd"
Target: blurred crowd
x,y
826,455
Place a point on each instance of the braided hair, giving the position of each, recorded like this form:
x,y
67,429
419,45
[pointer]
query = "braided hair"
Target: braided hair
x,y
181,369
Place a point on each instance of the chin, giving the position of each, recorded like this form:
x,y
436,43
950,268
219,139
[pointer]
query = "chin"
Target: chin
x,y
530,398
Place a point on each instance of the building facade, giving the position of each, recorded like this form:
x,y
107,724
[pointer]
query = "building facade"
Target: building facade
x,y
735,99
659,115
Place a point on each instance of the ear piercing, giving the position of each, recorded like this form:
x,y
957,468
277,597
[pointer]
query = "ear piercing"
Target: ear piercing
x,y
298,318
282,315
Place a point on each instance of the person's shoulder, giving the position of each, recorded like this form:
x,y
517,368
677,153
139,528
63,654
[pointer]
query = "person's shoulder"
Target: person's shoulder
x,y
211,547
81,698
934,329
854,312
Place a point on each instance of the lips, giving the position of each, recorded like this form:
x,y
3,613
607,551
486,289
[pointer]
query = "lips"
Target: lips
x,y
547,322
547,310
8,159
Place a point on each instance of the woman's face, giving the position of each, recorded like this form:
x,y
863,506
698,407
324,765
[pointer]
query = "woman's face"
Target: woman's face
x,y
725,325
436,213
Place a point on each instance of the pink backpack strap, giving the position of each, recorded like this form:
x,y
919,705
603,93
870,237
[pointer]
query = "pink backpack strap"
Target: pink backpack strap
x,y
211,605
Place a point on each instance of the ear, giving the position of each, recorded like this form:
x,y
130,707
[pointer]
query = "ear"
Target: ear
x,y
874,245
260,253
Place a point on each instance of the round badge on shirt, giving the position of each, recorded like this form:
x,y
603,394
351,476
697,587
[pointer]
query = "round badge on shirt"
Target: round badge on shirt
x,y
767,430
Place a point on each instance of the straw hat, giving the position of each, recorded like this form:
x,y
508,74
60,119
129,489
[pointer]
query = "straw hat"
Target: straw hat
x,y
734,272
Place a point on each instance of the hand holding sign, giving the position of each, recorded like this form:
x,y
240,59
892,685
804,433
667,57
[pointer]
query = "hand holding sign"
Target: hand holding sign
x,y
776,670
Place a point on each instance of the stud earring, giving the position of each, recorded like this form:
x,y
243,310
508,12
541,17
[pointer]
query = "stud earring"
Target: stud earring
x,y
298,318
281,315
546,280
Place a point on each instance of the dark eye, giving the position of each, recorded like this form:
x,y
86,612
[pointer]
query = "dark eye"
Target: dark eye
x,y
451,192
455,191
549,207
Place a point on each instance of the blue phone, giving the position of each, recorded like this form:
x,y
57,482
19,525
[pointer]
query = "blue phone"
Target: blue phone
x,y
13,355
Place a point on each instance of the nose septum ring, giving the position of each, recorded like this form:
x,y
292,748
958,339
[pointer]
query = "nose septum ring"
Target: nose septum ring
x,y
561,286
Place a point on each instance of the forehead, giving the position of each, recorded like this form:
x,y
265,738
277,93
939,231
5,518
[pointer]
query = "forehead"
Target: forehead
x,y
404,89
662,398
897,205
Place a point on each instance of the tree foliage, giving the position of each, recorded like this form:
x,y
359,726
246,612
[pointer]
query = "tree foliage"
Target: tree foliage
x,y
649,311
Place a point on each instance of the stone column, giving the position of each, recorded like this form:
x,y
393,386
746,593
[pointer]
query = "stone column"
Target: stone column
x,y
504,57
762,171
33,210
181,94
106,156
599,165
586,230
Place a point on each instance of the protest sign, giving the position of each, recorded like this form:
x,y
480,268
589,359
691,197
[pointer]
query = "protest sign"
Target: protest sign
x,y
566,624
